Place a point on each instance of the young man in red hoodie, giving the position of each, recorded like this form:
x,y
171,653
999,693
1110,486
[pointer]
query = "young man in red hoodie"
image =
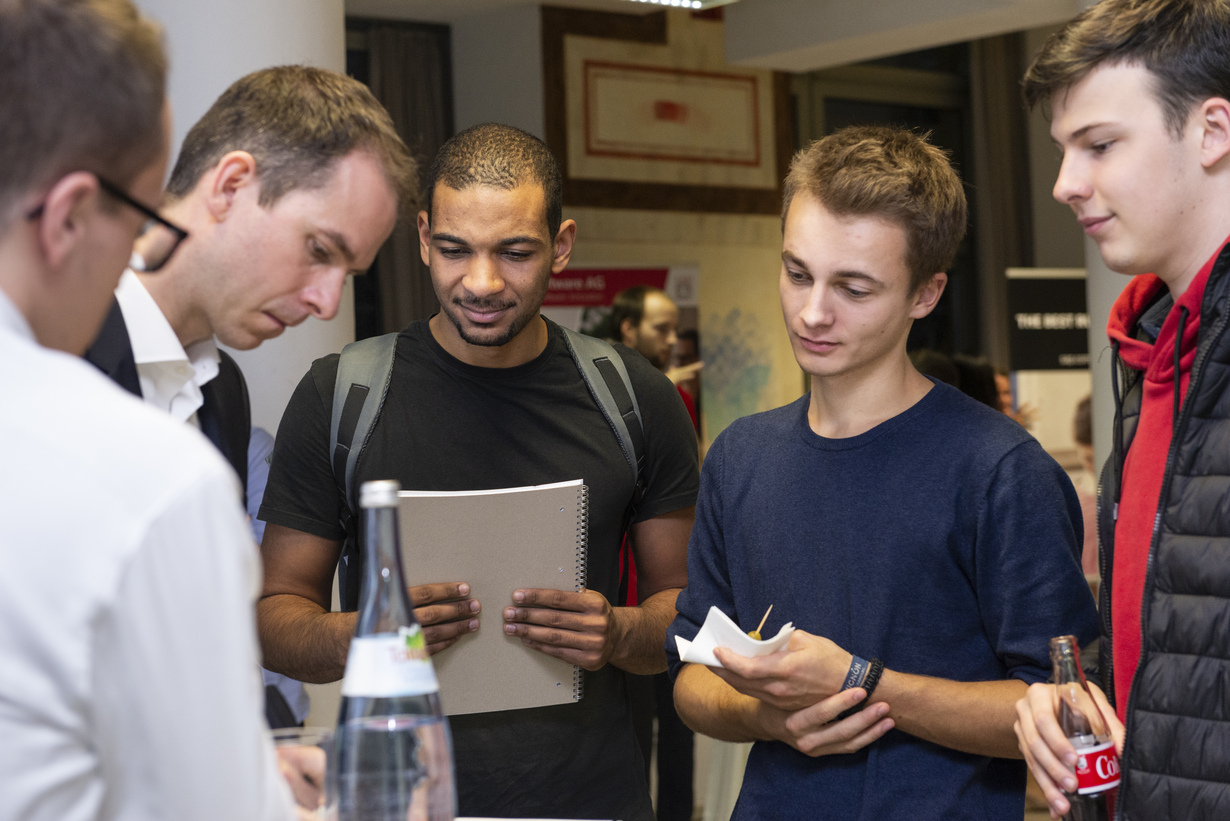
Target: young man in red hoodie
x,y
1139,93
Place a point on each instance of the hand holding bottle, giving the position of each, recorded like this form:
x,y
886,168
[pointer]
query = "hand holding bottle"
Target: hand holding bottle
x,y
1046,743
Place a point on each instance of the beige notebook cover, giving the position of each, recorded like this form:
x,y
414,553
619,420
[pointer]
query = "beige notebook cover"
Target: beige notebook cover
x,y
498,541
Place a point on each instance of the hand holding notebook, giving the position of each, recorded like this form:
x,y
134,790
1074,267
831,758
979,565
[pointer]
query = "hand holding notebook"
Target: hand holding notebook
x,y
572,626
445,611
529,539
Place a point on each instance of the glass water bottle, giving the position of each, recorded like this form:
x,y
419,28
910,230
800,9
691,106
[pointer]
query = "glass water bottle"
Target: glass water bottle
x,y
394,755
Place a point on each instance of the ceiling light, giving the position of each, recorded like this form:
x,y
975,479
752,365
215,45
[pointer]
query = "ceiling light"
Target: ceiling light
x,y
688,4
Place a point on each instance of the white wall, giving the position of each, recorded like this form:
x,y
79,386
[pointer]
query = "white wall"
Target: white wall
x,y
497,69
212,44
805,35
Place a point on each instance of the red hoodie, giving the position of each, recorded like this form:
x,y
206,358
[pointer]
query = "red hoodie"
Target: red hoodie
x,y
1146,457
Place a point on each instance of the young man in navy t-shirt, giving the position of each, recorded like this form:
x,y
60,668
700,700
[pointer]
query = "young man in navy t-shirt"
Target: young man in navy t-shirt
x,y
924,545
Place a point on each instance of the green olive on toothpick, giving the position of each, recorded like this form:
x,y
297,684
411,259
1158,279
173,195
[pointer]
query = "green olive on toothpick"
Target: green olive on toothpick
x,y
755,634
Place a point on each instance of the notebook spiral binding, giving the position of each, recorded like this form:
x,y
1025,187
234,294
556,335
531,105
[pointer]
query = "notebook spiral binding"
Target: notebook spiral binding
x,y
582,547
581,554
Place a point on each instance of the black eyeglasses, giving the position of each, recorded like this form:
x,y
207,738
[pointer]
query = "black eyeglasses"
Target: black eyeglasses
x,y
158,238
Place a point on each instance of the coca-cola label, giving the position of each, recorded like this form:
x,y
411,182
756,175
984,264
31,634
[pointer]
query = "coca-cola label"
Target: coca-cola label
x,y
1097,768
388,666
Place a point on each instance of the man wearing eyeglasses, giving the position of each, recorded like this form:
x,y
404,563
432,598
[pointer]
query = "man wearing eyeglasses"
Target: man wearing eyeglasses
x,y
127,686
289,183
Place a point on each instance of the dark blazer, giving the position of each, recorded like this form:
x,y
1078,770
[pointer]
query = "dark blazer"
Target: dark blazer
x,y
226,416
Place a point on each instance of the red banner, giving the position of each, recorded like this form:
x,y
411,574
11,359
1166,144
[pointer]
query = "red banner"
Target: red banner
x,y
594,287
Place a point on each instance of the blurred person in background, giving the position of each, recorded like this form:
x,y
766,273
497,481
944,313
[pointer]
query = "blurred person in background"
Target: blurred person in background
x,y
647,320
977,379
1024,413
937,365
1086,485
687,364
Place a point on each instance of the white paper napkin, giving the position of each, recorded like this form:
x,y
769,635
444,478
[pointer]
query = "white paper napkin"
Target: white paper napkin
x,y
719,631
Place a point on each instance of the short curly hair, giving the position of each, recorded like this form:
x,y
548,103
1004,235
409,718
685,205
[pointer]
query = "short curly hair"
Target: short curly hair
x,y
498,156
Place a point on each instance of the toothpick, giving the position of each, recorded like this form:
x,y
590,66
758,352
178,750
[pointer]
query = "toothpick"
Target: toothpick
x,y
763,620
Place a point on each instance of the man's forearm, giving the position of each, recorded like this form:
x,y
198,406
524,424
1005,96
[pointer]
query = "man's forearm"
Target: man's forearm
x,y
712,707
302,640
974,717
640,633
971,716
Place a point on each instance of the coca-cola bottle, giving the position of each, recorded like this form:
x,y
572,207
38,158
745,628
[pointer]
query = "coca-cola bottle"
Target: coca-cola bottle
x,y
394,757
1097,763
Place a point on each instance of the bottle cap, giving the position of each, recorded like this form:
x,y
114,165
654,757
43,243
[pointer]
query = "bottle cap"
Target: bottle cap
x,y
379,493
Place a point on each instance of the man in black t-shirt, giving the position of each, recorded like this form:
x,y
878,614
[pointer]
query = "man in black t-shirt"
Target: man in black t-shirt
x,y
486,395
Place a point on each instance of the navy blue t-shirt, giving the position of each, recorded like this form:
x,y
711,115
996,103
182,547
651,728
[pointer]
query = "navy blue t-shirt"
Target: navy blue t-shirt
x,y
944,542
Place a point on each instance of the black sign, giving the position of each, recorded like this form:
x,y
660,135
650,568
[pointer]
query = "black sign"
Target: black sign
x,y
1048,325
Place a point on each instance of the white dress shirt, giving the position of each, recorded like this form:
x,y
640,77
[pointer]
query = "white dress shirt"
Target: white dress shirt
x,y
171,380
171,377
127,633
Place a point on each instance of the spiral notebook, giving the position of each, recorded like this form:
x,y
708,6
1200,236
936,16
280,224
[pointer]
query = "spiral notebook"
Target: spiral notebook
x,y
498,541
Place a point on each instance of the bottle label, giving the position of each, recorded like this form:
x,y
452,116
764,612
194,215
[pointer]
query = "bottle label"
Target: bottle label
x,y
388,666
1097,768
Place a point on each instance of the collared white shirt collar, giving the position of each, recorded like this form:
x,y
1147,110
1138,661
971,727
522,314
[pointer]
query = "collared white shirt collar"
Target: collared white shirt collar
x,y
171,377
13,319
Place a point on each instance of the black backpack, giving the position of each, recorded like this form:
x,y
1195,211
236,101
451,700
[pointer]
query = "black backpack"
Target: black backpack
x,y
363,374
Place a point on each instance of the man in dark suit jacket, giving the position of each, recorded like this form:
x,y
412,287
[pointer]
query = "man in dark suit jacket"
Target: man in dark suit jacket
x,y
289,183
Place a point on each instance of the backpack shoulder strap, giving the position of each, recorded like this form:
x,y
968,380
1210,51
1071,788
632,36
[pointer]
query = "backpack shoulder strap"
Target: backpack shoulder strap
x,y
364,369
363,372
609,384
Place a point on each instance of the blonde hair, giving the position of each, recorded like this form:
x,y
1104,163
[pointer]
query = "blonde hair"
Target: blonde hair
x,y
890,173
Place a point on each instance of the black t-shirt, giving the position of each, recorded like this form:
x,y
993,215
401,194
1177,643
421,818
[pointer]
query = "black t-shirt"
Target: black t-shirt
x,y
447,425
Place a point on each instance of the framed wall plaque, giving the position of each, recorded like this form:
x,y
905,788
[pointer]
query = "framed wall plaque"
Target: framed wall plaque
x,y
640,122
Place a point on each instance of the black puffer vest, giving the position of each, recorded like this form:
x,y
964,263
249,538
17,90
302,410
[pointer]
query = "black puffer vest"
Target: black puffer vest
x,y
1176,762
